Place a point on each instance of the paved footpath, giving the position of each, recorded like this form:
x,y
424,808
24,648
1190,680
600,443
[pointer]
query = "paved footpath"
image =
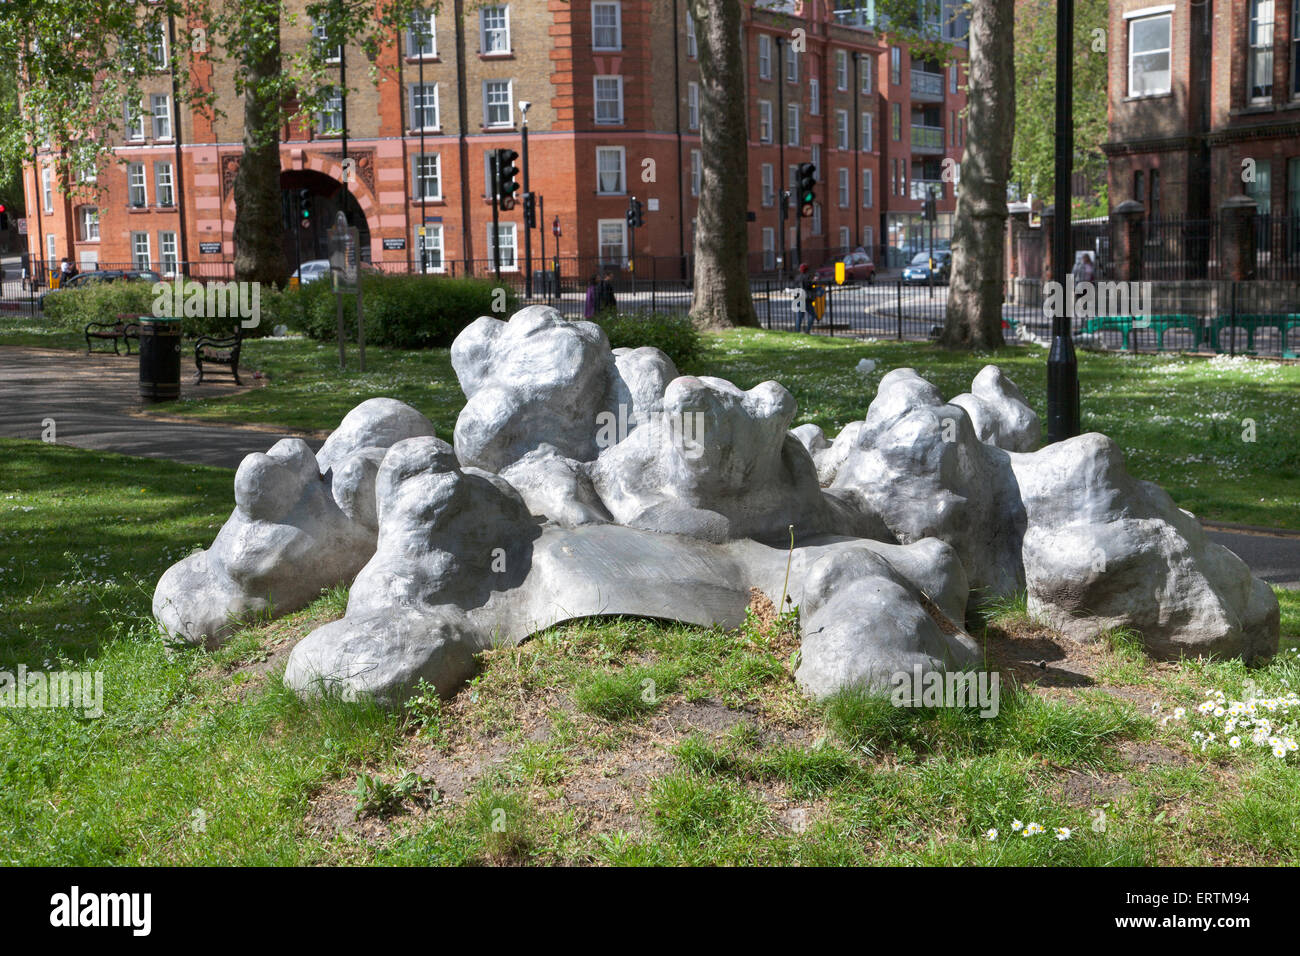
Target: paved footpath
x,y
94,401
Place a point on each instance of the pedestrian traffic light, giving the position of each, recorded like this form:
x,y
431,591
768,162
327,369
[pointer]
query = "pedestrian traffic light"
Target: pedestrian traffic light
x,y
530,211
634,217
807,182
506,173
928,212
304,205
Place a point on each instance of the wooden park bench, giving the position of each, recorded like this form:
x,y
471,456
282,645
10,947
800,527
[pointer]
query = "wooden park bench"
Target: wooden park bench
x,y
124,330
211,350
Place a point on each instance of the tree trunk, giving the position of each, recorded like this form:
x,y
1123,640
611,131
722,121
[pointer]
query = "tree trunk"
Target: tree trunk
x,y
974,319
259,219
721,229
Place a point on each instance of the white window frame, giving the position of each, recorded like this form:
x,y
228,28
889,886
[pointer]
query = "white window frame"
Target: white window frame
x,y
767,178
1254,24
865,65
697,172
617,27
51,250
419,178
817,219
134,119
841,69
507,229
867,133
765,121
842,129
166,238
496,31
47,190
88,223
842,182
328,109
604,152
157,50
792,67
510,104
692,105
601,226
1138,16
136,259
895,65
161,119
597,101
164,185
764,56
846,238
318,32
692,44
814,96
769,248
136,183
422,107
432,242
868,188
792,124
416,51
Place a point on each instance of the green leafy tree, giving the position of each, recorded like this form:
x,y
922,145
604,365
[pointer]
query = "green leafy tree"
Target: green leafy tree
x,y
1032,158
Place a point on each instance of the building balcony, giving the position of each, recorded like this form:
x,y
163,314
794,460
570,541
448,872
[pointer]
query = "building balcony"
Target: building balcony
x,y
927,139
850,14
927,87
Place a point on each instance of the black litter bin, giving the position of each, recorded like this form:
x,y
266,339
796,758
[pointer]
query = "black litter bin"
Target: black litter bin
x,y
160,359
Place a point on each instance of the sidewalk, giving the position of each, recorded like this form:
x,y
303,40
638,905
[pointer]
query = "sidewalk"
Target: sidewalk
x,y
94,402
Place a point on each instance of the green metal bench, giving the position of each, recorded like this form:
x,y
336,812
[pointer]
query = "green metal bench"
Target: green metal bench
x,y
1284,322
1125,324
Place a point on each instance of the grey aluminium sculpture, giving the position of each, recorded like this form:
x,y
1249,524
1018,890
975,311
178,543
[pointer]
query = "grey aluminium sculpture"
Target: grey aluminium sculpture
x,y
587,481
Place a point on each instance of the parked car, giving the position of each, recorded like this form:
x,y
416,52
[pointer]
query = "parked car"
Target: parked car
x,y
83,279
918,271
858,267
311,270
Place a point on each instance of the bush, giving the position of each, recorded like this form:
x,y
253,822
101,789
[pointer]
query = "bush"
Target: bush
x,y
406,312
105,301
675,335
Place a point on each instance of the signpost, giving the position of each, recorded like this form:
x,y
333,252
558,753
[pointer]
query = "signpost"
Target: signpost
x,y
345,269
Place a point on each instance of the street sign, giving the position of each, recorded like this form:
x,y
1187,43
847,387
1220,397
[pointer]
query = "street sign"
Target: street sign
x,y
22,227
345,253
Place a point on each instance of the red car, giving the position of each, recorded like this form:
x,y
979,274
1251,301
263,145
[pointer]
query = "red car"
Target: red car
x,y
858,267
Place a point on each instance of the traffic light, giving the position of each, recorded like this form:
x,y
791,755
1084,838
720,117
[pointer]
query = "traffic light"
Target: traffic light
x,y
4,218
304,205
928,213
807,191
634,218
506,173
530,211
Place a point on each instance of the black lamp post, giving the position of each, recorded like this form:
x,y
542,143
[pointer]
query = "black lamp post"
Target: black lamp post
x,y
1062,365
418,17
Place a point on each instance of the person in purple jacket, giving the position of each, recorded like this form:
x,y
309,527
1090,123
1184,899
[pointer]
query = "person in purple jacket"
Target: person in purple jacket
x,y
593,296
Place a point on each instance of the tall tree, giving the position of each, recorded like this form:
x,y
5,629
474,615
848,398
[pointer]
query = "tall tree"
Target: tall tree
x,y
1032,159
974,314
722,295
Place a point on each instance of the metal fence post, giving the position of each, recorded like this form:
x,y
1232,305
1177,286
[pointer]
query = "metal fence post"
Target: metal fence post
x,y
898,301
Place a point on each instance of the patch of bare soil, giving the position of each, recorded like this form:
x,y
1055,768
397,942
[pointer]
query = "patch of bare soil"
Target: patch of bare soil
x,y
1040,658
1145,753
1092,789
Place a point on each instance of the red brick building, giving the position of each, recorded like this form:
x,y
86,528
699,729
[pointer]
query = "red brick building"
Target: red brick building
x,y
613,111
1205,105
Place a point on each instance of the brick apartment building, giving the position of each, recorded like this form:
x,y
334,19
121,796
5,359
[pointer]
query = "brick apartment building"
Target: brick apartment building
x,y
611,84
1200,93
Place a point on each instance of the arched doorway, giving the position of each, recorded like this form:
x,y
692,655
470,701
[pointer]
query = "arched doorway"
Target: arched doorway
x,y
308,238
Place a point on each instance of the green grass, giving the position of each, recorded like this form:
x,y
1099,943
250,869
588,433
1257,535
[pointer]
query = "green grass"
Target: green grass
x,y
1180,421
205,758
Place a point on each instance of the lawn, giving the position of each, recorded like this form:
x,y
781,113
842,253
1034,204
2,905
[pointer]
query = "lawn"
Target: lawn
x,y
1221,435
605,742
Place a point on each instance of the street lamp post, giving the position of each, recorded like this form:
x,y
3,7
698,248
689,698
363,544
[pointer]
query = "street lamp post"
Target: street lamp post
x,y
418,17
1062,365
524,106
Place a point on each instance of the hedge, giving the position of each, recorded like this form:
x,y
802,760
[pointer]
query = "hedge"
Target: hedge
x,y
675,335
407,312
105,301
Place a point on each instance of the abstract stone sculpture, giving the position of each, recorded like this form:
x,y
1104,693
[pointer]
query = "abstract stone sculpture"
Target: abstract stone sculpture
x,y
587,481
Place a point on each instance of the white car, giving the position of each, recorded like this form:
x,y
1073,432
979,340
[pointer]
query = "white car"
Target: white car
x,y
312,270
